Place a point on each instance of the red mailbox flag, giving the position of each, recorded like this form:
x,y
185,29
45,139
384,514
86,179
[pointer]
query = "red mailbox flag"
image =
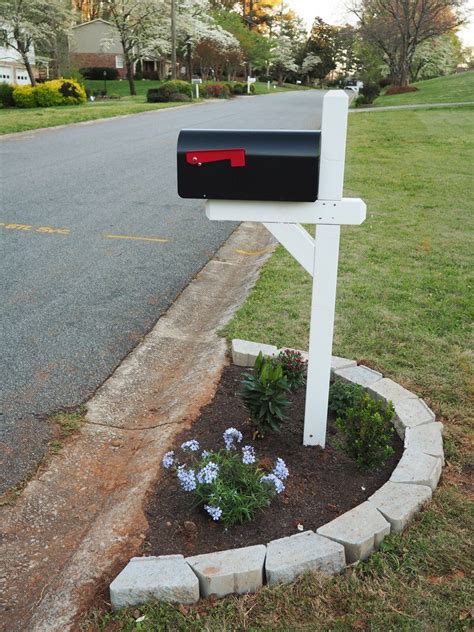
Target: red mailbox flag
x,y
236,156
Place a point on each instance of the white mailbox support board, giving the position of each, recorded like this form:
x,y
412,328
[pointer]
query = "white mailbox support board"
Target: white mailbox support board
x,y
318,256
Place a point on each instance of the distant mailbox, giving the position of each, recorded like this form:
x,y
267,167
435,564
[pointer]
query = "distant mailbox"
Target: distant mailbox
x,y
249,165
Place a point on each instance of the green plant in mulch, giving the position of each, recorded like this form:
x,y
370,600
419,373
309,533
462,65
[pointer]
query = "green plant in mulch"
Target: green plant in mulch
x,y
294,367
343,396
367,431
230,485
264,395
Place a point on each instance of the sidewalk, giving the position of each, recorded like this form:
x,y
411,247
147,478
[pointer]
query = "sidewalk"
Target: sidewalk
x,y
414,106
78,523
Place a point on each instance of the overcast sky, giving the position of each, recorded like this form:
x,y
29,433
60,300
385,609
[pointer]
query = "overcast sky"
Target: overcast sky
x,y
334,12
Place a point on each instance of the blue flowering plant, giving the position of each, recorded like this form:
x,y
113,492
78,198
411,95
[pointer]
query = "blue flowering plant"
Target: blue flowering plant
x,y
229,484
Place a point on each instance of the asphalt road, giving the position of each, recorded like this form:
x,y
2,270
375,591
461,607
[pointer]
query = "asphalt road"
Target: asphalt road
x,y
79,285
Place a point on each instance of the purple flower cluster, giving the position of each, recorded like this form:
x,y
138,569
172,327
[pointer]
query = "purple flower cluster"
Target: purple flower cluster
x,y
248,455
280,470
187,478
208,473
274,480
230,436
214,512
168,460
191,445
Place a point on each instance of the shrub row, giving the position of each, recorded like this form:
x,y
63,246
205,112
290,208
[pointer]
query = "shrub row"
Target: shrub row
x,y
44,95
183,91
98,73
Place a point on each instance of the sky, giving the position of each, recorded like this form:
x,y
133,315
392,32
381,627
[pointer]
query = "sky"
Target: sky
x,y
334,12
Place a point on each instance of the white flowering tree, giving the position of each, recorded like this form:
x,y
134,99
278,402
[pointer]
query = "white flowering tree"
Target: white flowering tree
x,y
283,58
309,65
27,24
195,24
140,27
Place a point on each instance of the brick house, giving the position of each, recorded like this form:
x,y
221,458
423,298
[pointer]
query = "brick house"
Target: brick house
x,y
96,44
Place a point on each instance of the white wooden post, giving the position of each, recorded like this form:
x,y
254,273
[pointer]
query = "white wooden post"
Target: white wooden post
x,y
197,91
331,181
318,256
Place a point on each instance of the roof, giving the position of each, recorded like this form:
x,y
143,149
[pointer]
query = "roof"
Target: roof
x,y
78,26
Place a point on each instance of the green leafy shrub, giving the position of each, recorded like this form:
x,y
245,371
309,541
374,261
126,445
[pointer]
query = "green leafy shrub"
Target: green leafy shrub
x,y
24,97
168,90
264,395
294,367
367,432
228,484
6,95
343,396
368,93
59,92
96,72
215,91
238,88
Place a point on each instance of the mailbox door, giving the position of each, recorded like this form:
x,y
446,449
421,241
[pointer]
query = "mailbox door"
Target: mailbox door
x,y
249,165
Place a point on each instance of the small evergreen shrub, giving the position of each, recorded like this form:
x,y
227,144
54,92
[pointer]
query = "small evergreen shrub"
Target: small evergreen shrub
x,y
368,93
6,95
215,91
96,72
238,88
343,396
264,395
168,90
294,367
229,484
24,97
367,431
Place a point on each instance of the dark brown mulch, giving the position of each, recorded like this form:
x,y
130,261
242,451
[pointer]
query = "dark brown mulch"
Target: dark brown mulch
x,y
322,485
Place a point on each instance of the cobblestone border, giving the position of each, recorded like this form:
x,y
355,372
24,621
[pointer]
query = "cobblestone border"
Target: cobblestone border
x,y
351,537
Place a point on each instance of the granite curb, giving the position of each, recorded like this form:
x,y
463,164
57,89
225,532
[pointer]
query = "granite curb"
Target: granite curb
x,y
347,539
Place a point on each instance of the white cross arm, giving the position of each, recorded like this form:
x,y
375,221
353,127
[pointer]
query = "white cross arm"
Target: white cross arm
x,y
333,212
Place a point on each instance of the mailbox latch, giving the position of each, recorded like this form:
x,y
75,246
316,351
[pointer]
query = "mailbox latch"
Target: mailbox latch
x,y
236,156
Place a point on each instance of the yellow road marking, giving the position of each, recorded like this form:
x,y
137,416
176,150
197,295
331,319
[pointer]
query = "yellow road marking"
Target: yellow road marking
x,y
160,240
48,230
250,253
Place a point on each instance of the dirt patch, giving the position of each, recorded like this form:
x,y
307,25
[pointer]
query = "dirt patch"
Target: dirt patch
x,y
322,485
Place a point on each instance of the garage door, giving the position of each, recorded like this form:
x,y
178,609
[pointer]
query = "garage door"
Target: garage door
x,y
22,78
6,74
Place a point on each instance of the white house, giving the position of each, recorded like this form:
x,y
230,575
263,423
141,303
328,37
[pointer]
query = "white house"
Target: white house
x,y
12,68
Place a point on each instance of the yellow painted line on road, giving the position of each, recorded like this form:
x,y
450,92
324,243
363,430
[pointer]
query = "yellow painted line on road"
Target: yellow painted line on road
x,y
160,240
45,230
252,253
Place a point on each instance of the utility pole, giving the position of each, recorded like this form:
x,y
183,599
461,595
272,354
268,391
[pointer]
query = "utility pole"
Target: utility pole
x,y
173,39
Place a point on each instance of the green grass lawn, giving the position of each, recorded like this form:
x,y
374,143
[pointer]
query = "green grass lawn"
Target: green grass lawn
x,y
447,89
121,87
404,307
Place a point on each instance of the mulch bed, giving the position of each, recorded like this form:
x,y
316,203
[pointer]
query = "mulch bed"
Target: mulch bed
x,y
322,485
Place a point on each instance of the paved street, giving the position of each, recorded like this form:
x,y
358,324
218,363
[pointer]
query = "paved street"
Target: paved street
x,y
95,245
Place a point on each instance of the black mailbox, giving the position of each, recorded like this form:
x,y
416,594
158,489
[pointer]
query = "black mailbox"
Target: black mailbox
x,y
249,165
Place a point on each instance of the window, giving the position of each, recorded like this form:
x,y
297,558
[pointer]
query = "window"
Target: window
x,y
119,61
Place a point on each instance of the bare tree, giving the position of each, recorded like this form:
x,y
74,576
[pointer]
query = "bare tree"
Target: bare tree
x,y
397,27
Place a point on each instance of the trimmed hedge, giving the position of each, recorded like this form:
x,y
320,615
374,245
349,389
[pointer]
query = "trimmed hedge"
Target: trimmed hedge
x,y
6,95
168,91
215,91
96,72
24,97
49,94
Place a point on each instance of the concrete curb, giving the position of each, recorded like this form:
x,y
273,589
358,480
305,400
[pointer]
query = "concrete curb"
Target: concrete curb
x,y
351,537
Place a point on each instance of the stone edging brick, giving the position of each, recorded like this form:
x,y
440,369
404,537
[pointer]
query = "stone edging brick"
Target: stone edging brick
x,y
351,537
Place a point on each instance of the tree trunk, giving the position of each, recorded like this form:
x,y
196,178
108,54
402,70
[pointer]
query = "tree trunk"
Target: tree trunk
x,y
29,69
189,60
280,78
131,79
